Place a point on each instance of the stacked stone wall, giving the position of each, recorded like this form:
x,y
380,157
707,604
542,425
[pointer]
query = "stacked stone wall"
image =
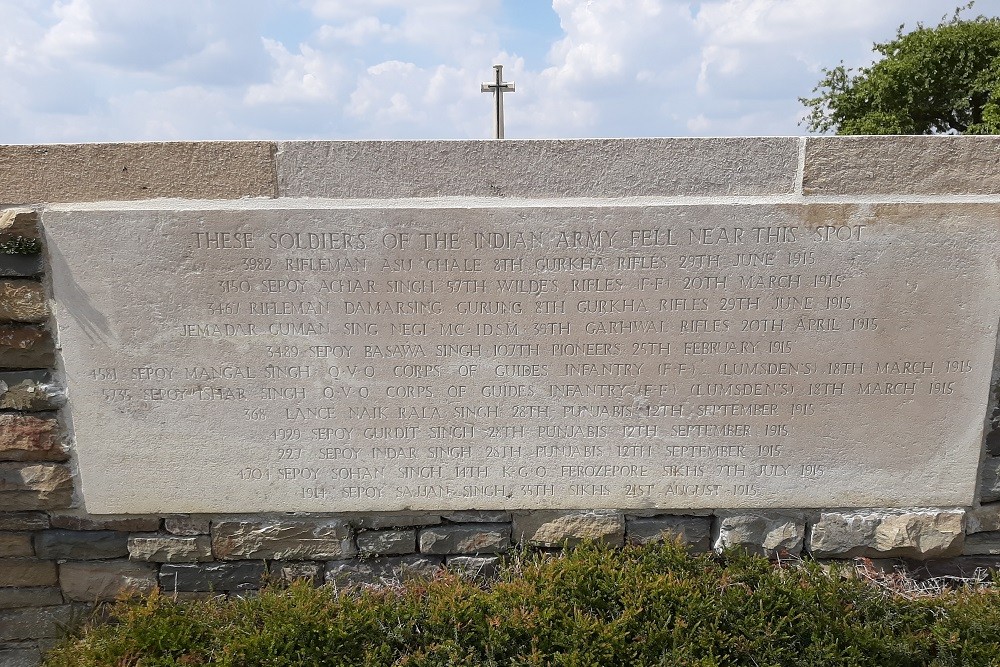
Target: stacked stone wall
x,y
57,562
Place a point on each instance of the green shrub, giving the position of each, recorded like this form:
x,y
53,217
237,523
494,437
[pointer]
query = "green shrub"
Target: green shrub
x,y
592,606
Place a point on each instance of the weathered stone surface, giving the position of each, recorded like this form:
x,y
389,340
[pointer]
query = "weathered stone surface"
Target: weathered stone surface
x,y
480,567
476,538
288,571
20,247
27,656
982,544
38,622
217,577
30,438
960,566
554,529
27,572
993,442
14,545
900,165
380,520
170,548
387,542
385,570
26,346
983,519
81,545
769,534
132,463
184,525
21,266
550,168
30,391
24,521
105,580
77,520
282,539
18,223
989,482
35,596
34,486
885,534
695,532
123,171
477,516
23,301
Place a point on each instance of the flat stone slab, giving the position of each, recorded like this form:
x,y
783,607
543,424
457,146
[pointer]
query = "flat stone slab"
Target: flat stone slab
x,y
139,170
453,354
545,168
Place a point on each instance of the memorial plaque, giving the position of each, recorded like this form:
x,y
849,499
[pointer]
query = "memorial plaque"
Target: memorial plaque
x,y
263,357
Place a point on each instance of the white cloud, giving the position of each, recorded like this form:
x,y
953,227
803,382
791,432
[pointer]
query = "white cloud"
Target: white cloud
x,y
85,70
303,77
74,33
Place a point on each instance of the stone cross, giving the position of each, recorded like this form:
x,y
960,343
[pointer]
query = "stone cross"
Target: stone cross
x,y
498,87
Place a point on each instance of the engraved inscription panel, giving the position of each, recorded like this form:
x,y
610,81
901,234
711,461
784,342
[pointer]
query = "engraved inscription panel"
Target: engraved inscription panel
x,y
261,358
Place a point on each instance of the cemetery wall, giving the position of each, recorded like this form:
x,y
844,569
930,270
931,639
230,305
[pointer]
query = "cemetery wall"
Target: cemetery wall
x,y
57,559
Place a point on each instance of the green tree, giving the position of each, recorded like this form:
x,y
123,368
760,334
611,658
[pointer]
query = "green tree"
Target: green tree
x,y
939,80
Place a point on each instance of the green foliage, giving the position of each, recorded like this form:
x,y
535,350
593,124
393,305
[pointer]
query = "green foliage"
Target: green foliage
x,y
593,606
20,245
939,80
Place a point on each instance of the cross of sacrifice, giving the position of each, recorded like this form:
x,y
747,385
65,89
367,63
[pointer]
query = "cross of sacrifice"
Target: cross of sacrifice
x,y
498,87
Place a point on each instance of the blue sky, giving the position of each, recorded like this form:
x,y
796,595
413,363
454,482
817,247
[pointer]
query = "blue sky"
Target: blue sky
x,y
124,70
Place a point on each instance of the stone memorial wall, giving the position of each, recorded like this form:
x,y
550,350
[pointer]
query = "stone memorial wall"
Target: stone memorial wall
x,y
357,360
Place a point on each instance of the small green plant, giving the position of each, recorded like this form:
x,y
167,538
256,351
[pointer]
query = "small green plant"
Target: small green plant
x,y
20,245
595,605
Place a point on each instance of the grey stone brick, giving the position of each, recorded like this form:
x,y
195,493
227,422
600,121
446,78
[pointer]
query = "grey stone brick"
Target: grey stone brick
x,y
103,581
989,481
31,438
386,570
26,346
479,567
983,519
34,486
380,520
387,542
918,534
477,516
24,521
38,622
27,572
187,526
81,545
281,539
695,532
30,391
13,598
23,301
216,577
474,538
288,571
17,266
549,528
76,520
982,544
15,545
20,656
170,548
769,534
